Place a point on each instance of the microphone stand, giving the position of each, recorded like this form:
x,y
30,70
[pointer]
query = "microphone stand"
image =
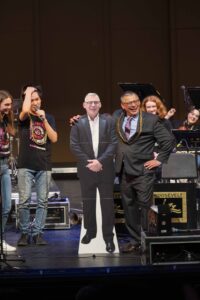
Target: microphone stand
x,y
1,233
3,258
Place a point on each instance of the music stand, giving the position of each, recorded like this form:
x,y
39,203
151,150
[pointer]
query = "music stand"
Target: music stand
x,y
187,138
191,96
141,89
180,166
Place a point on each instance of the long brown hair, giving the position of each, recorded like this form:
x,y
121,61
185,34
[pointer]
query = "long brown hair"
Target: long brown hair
x,y
186,125
10,117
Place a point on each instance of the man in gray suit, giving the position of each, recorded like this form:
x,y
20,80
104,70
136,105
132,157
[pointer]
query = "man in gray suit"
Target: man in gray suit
x,y
93,141
136,164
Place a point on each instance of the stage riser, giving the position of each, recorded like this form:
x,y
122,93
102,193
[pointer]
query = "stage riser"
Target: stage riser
x,y
175,249
58,214
181,197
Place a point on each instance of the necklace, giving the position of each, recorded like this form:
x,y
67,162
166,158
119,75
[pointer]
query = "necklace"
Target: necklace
x,y
119,131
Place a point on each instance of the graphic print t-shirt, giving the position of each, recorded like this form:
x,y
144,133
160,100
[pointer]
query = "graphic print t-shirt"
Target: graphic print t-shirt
x,y
35,146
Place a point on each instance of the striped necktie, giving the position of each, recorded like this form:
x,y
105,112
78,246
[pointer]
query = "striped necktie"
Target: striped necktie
x,y
128,127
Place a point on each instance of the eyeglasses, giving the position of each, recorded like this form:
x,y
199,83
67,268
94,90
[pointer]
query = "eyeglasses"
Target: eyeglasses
x,y
92,102
131,102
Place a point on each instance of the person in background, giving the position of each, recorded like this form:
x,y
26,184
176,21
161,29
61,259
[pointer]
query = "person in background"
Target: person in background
x,y
93,141
153,104
6,130
138,132
190,122
37,131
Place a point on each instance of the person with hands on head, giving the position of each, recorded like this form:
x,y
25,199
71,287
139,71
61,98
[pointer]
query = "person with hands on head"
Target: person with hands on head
x,y
37,131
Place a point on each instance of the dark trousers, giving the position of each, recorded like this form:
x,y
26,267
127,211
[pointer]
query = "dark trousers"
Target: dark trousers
x,y
137,194
88,190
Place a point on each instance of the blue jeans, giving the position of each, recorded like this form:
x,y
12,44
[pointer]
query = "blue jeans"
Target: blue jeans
x,y
42,183
5,190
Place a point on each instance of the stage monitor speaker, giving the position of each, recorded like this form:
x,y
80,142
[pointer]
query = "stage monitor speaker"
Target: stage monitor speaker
x,y
180,166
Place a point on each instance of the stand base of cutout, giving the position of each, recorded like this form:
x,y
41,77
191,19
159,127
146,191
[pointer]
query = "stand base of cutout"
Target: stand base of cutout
x,y
96,245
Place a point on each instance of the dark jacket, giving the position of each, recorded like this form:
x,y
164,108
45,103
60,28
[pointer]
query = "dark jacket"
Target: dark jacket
x,y
132,154
81,146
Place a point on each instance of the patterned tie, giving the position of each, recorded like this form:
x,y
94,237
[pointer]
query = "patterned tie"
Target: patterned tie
x,y
128,127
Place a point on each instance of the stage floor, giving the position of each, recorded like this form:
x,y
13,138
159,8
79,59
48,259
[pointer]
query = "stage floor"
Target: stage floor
x,y
58,267
62,252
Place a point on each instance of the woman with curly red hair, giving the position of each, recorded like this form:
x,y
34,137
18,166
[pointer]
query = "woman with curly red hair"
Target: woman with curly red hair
x,y
153,104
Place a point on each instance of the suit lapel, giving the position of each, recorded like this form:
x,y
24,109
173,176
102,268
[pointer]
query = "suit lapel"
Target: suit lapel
x,y
121,120
102,125
122,133
86,127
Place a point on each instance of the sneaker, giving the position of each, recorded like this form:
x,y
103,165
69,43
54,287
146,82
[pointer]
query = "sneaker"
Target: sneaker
x,y
38,240
24,240
7,247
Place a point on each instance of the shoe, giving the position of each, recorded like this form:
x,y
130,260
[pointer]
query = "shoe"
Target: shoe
x,y
131,248
38,240
87,238
7,247
110,247
24,240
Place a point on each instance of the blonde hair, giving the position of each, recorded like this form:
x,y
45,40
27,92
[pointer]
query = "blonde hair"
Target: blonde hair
x,y
161,109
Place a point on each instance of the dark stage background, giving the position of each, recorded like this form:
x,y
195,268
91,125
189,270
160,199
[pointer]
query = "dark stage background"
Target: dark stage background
x,y
73,47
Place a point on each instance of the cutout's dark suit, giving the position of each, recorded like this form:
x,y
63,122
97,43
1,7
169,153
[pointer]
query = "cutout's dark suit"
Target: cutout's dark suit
x,y
82,148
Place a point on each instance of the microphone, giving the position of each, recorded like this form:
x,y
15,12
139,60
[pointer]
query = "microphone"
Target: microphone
x,y
41,117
